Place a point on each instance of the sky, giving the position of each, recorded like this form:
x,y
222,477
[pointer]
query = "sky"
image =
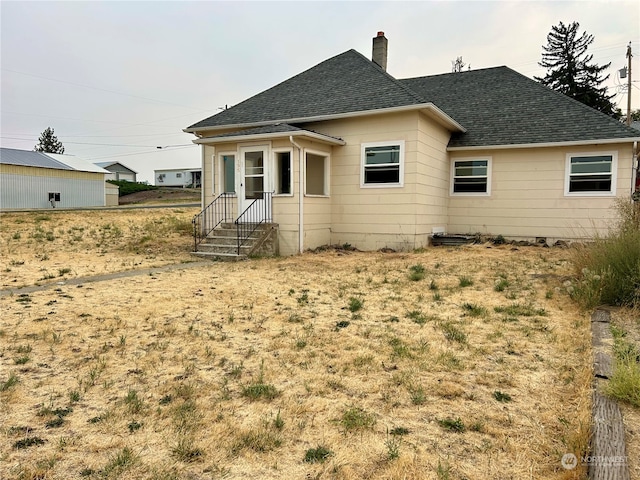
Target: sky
x,y
118,79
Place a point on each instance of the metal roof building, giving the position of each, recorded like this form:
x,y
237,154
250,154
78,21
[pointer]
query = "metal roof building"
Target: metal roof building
x,y
45,180
118,171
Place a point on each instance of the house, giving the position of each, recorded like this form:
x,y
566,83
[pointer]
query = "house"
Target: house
x,y
31,179
178,177
346,153
118,171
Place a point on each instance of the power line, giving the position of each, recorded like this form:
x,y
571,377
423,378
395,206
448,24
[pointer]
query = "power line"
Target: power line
x,y
101,144
137,153
102,89
108,136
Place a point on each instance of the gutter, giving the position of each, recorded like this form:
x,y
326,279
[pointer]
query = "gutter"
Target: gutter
x,y
300,196
268,136
544,145
202,169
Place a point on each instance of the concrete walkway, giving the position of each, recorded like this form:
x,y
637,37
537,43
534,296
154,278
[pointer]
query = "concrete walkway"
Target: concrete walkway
x,y
103,278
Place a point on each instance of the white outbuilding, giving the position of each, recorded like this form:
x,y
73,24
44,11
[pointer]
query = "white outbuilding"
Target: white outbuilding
x,y
31,179
178,177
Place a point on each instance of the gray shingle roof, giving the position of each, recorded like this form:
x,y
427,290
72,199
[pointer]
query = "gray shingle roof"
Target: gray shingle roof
x,y
499,106
346,83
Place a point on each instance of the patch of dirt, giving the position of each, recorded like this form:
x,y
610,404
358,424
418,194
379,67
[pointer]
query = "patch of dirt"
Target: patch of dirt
x,y
162,195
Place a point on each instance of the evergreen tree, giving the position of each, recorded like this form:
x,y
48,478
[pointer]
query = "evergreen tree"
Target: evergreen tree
x,y
570,70
49,143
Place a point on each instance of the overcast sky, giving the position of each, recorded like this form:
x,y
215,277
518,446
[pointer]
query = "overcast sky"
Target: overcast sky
x,y
118,79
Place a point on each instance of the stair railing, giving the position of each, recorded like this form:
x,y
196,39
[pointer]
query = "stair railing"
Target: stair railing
x,y
218,211
258,212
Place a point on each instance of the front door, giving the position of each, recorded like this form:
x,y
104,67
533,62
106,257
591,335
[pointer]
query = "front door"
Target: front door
x,y
254,181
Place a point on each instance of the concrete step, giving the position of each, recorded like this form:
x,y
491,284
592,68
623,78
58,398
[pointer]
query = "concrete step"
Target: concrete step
x,y
222,243
227,241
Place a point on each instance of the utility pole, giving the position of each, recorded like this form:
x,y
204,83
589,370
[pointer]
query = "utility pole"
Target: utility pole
x,y
629,86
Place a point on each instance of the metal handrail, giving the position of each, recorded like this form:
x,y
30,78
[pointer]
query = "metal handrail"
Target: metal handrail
x,y
218,211
258,212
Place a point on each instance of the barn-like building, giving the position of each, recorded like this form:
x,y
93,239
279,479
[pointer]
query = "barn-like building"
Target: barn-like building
x,y
31,179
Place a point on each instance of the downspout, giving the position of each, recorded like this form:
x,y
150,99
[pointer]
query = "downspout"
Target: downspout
x,y
300,196
203,169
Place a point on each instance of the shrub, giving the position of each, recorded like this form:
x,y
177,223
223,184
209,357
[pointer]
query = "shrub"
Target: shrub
x,y
608,270
125,188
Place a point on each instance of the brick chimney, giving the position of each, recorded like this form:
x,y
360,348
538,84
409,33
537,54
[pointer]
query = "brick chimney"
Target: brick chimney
x,y
379,54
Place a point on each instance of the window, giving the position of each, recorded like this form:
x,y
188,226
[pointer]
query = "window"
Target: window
x,y
228,173
382,164
283,173
254,175
54,197
317,174
471,177
590,174
178,175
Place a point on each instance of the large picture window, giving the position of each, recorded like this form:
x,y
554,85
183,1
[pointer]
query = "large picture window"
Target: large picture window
x,y
590,174
471,176
382,164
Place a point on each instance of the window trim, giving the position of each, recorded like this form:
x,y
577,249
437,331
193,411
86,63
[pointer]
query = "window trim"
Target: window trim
x,y
327,167
389,143
220,169
275,152
614,174
487,193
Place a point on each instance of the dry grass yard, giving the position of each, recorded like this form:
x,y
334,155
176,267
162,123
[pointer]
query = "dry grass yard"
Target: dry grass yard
x,y
448,363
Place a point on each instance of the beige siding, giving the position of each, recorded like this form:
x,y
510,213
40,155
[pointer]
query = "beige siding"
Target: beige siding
x,y
372,218
527,196
111,195
527,189
286,208
432,179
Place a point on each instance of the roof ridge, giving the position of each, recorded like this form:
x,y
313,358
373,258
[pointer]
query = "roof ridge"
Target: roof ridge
x,y
465,72
391,77
569,99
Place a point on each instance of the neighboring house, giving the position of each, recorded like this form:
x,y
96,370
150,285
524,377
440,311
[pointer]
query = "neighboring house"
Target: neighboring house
x,y
178,177
118,171
346,153
31,179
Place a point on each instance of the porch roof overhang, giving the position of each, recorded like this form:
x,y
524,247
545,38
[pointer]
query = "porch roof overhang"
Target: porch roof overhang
x,y
428,109
267,132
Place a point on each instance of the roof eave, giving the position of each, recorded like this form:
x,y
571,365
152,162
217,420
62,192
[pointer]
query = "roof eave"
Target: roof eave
x,y
429,107
602,141
269,136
